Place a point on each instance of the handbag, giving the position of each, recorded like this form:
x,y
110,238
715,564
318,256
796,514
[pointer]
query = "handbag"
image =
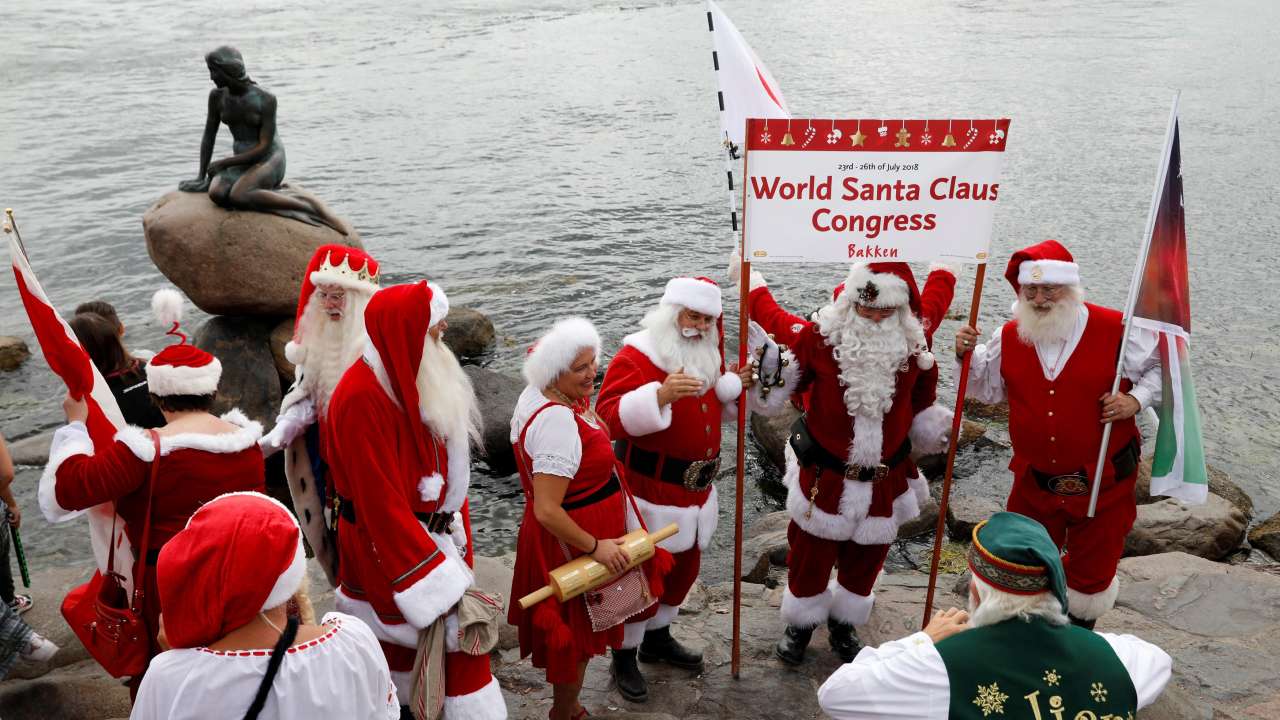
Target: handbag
x,y
112,628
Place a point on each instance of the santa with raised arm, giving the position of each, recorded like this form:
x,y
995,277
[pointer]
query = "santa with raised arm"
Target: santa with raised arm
x,y
664,397
850,480
328,336
397,440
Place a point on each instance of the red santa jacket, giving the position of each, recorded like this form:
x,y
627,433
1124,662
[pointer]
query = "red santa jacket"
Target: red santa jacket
x,y
392,572
1053,424
688,429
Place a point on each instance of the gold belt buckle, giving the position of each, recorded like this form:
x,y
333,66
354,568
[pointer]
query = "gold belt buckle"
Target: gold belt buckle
x,y
693,475
854,472
1068,485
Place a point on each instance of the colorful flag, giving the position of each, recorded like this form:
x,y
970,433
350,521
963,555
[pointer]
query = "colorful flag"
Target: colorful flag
x,y
69,361
1162,304
746,88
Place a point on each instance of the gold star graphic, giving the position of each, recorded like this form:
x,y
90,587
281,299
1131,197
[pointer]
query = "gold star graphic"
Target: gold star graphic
x,y
858,139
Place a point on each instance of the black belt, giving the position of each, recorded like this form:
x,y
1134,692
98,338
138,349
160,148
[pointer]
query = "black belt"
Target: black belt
x,y
810,452
591,497
1124,462
695,475
437,522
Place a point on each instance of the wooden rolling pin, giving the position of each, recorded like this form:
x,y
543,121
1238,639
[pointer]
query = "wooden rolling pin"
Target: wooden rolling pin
x,y
583,573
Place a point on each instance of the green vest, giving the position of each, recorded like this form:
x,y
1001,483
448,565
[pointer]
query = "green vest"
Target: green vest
x,y
1018,670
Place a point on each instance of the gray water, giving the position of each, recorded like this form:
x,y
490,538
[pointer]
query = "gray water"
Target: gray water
x,y
548,158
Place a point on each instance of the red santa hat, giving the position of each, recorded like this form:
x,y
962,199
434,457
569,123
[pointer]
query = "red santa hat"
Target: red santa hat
x,y
554,352
239,555
882,286
179,369
397,320
700,294
1046,263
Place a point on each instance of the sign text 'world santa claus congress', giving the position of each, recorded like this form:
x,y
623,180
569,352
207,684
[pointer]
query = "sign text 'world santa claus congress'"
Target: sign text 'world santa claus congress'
x,y
840,190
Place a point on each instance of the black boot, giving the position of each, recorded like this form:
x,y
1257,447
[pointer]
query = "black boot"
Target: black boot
x,y
790,648
659,646
626,674
843,641
1086,624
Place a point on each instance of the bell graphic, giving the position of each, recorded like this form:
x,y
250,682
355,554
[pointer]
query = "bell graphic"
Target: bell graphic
x,y
787,139
949,140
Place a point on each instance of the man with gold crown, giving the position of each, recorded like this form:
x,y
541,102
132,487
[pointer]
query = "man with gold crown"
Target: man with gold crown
x,y
328,335
1013,654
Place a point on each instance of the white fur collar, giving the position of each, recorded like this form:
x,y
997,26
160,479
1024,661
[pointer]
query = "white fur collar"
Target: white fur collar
x,y
139,440
643,342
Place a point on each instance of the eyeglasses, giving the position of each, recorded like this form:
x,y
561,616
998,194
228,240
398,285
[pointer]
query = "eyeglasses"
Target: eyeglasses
x,y
1049,291
335,295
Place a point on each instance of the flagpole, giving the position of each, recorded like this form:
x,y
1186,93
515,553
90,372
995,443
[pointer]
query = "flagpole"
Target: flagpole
x,y
11,225
1161,174
962,386
744,285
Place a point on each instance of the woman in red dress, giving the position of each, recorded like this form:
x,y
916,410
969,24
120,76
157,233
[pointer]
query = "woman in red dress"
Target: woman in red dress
x,y
574,506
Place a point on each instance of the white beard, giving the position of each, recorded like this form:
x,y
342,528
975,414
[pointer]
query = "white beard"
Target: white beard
x,y
446,399
700,357
328,347
1055,326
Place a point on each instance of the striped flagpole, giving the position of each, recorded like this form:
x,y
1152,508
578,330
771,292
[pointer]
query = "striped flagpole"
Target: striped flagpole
x,y
730,150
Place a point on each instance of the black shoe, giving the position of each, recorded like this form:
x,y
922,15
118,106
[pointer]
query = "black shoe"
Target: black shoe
x,y
1086,624
790,648
843,640
659,646
631,684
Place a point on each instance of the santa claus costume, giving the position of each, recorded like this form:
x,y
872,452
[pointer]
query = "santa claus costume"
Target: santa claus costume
x,y
239,559
671,455
397,441
1053,368
193,467
328,336
850,480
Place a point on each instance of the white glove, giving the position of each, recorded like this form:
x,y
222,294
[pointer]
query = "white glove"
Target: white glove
x,y
289,424
735,273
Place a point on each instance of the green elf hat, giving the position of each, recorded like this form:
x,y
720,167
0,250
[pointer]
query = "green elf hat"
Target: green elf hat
x,y
1013,553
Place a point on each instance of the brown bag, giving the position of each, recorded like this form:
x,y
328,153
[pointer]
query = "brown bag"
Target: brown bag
x,y
113,629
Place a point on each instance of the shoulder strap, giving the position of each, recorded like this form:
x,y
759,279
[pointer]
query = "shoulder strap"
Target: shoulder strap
x,y
273,668
522,457
139,580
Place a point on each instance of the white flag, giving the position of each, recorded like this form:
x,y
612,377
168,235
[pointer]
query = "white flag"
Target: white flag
x,y
747,89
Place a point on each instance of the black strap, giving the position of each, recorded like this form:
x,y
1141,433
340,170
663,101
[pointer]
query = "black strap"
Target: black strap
x,y
438,522
273,667
810,452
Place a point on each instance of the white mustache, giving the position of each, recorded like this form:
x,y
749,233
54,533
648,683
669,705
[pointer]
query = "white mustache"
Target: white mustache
x,y
691,332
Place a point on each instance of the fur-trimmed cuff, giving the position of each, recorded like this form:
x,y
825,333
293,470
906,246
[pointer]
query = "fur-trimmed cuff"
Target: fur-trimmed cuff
x,y
952,270
931,430
806,612
71,439
486,703
849,607
728,388
402,634
437,592
756,281
920,486
1091,606
640,413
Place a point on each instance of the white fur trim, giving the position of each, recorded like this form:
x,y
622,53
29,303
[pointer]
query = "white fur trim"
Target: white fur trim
x,y
486,703
639,411
458,478
952,270
555,351
925,360
293,352
69,440
893,291
139,440
849,607
430,486
643,341
931,429
851,522
633,634
697,523
1052,272
1087,606
694,294
402,634
437,592
868,440
439,304
289,581
663,617
756,281
920,486
728,388
343,280
166,306
166,380
778,397
806,612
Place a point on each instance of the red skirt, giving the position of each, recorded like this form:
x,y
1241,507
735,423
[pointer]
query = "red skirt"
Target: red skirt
x,y
537,552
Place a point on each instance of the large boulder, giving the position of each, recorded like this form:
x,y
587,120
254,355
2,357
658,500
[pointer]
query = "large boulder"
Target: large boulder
x,y
281,334
233,262
33,450
1211,530
1266,536
497,394
470,333
1220,484
13,352
249,378
770,434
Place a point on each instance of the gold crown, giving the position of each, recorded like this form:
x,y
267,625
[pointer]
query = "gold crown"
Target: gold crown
x,y
344,270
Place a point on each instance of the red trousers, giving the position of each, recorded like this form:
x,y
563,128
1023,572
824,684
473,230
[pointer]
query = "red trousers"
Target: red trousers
x,y
811,559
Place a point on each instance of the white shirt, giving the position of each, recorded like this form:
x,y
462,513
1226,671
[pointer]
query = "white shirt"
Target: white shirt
x,y
907,679
552,440
1141,364
342,675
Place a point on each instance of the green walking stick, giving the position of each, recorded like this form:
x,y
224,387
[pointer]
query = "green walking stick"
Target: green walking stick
x,y
18,551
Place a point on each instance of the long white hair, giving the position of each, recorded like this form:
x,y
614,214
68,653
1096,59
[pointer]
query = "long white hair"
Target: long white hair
x,y
326,348
446,398
1053,326
700,357
995,606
